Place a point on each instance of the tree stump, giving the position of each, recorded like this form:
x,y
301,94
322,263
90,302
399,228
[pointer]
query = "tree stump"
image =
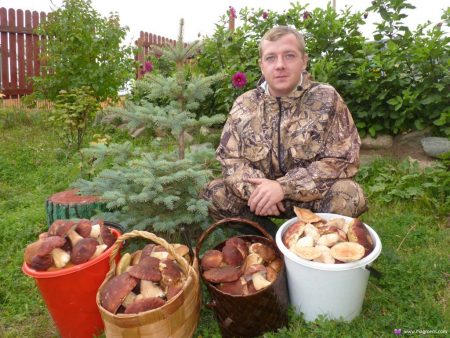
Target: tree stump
x,y
68,204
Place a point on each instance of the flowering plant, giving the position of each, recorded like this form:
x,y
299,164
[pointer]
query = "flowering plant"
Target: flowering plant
x,y
239,80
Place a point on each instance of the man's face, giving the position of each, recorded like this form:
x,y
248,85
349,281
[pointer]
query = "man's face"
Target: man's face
x,y
282,64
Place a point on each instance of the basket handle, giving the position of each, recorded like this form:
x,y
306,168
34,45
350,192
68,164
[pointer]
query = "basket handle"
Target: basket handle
x,y
213,227
148,235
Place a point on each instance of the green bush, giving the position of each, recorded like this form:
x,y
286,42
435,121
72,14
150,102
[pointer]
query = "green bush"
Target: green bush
x,y
393,83
83,49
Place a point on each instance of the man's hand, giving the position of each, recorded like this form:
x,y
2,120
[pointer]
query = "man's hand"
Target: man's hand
x,y
266,199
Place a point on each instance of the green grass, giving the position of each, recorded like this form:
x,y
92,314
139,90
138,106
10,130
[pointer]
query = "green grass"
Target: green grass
x,y
412,293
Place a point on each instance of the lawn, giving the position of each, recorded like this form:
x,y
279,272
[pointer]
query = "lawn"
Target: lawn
x,y
411,294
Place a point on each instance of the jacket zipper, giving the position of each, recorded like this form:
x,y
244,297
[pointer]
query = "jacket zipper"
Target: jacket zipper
x,y
279,135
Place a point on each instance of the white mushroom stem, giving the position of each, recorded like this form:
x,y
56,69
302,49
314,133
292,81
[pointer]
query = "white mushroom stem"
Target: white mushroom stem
x,y
74,237
259,282
130,298
150,289
160,254
98,250
95,231
60,257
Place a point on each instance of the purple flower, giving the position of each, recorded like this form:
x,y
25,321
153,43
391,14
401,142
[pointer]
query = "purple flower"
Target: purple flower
x,y
148,66
239,80
233,12
306,15
397,331
265,15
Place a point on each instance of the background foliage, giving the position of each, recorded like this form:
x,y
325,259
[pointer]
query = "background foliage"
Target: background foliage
x,y
83,49
395,82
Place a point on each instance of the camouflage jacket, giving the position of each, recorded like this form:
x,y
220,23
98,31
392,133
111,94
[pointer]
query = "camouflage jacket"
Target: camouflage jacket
x,y
305,141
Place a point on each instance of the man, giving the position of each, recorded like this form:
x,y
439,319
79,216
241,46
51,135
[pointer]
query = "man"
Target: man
x,y
288,142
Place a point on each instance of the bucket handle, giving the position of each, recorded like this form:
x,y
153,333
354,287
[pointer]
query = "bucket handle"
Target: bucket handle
x,y
213,227
152,237
377,274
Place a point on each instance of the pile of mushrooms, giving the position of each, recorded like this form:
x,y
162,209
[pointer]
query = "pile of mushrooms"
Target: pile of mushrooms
x,y
144,280
241,268
330,242
68,243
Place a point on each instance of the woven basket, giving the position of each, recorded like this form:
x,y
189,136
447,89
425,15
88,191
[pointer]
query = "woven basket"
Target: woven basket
x,y
254,314
177,318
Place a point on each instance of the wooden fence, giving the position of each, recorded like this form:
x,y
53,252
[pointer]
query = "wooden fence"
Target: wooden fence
x,y
20,50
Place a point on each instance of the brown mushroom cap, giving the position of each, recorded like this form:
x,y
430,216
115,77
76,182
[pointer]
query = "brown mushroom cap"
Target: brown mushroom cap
x,y
223,274
146,269
232,256
84,227
211,259
276,264
173,290
83,250
48,244
60,227
115,290
147,250
170,272
41,263
358,233
292,234
239,243
107,236
237,288
145,304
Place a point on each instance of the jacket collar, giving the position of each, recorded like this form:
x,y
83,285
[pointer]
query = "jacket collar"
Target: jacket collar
x,y
305,83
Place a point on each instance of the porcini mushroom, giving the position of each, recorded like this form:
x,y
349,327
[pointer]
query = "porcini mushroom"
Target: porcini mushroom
x,y
222,274
147,269
307,252
312,231
211,259
306,215
239,243
293,233
65,228
325,255
170,272
123,264
42,254
145,304
265,251
347,251
329,239
237,288
259,282
150,289
83,250
115,290
358,233
232,256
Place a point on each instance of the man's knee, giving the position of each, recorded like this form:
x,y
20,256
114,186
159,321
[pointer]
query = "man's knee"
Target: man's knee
x,y
345,197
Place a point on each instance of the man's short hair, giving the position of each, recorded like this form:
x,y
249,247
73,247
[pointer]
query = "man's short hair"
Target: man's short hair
x,y
278,32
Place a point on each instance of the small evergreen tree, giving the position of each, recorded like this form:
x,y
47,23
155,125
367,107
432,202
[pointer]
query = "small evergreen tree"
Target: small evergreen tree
x,y
155,188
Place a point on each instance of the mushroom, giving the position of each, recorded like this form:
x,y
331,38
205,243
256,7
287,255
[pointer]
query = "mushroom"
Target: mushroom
x,y
65,228
358,233
259,282
307,215
106,236
252,269
147,269
159,252
135,257
276,264
325,255
181,249
232,256
170,272
84,227
329,229
253,259
307,252
293,233
42,254
222,274
130,298
239,243
266,252
329,239
99,250
123,264
337,222
347,251
115,290
173,290
211,259
83,250
271,274
237,288
312,231
150,289
306,241
145,304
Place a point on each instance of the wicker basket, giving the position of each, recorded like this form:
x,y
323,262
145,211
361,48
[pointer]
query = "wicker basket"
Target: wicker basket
x,y
177,318
254,314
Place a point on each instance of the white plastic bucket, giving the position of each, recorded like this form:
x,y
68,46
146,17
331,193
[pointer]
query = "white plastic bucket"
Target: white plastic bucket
x,y
335,291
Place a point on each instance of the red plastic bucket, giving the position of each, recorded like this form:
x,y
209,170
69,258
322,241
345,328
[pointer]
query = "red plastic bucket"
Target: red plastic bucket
x,y
70,294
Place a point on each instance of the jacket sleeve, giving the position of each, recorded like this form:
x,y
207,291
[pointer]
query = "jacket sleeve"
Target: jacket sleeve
x,y
337,158
235,168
